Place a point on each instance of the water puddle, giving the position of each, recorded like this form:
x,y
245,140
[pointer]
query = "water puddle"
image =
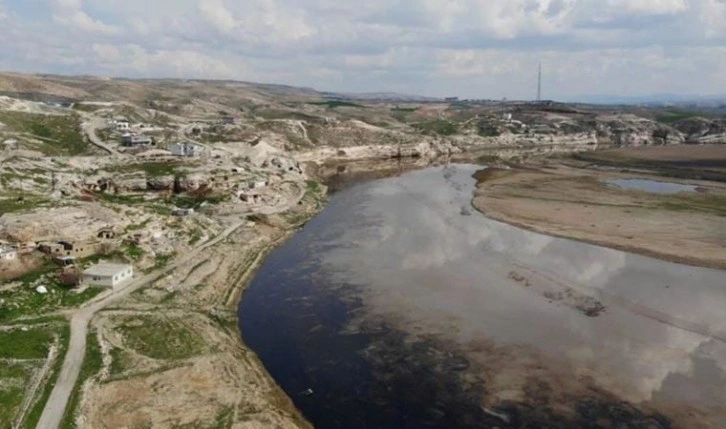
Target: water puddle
x,y
652,186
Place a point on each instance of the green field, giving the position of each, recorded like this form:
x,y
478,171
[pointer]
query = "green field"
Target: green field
x,y
179,342
60,134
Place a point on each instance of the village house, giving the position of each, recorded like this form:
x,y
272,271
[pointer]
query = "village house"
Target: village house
x,y
8,254
108,275
67,248
133,140
257,184
184,149
25,247
65,261
122,125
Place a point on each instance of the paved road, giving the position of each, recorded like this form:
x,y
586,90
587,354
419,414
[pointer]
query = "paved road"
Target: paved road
x,y
89,128
58,400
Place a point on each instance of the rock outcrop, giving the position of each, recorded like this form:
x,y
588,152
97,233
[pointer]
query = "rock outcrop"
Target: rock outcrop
x,y
702,130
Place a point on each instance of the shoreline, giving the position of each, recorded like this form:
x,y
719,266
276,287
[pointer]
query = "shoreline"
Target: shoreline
x,y
635,250
577,204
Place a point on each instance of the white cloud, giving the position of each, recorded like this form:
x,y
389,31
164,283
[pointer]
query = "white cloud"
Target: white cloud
x,y
70,4
655,7
80,20
216,14
471,48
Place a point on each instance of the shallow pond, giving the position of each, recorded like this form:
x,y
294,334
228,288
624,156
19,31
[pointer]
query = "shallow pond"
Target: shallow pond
x,y
401,308
652,186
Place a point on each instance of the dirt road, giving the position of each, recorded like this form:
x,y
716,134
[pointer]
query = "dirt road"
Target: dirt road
x,y
90,125
58,400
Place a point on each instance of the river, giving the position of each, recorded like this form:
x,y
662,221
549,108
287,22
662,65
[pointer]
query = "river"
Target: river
x,y
400,306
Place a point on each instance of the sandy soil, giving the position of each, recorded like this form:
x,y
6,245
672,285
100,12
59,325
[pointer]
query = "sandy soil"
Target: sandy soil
x,y
578,204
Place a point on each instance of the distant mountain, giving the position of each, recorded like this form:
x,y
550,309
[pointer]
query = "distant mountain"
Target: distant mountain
x,y
654,99
387,96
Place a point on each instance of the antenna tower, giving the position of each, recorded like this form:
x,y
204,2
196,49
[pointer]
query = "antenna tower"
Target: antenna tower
x,y
539,82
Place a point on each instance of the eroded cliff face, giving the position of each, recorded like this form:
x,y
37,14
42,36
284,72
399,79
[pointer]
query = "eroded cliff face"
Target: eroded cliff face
x,y
574,134
702,131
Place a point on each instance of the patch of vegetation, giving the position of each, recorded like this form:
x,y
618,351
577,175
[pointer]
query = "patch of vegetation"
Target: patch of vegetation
x,y
21,204
162,260
485,129
151,168
92,364
313,185
438,126
34,416
13,379
488,159
133,251
139,226
129,200
696,203
404,109
332,104
120,362
62,133
89,108
195,236
159,209
673,116
685,170
24,301
30,344
194,201
143,333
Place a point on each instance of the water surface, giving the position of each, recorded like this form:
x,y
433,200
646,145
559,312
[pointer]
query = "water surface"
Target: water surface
x,y
400,311
652,186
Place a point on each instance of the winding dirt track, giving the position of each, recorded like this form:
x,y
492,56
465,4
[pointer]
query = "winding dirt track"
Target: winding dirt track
x,y
89,128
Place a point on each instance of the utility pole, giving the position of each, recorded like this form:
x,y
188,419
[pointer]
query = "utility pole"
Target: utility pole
x,y
539,82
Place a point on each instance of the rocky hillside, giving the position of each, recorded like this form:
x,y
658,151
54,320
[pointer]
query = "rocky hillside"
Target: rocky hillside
x,y
702,130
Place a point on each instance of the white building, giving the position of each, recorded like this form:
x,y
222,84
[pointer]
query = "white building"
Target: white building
x,y
184,149
108,275
122,125
8,254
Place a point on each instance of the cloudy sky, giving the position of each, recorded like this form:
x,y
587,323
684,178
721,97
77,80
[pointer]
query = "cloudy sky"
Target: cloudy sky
x,y
469,48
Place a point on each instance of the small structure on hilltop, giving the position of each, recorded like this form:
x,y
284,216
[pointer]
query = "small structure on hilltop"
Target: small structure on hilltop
x,y
65,261
25,247
257,184
182,212
108,275
134,140
122,125
185,149
8,254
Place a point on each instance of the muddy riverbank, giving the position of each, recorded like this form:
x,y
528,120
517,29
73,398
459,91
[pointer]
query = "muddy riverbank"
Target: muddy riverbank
x,y
686,226
396,308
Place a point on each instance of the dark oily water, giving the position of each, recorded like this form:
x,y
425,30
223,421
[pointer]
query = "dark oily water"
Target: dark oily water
x,y
401,307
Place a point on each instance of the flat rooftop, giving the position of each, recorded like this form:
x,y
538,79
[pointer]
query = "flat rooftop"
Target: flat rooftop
x,y
105,270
